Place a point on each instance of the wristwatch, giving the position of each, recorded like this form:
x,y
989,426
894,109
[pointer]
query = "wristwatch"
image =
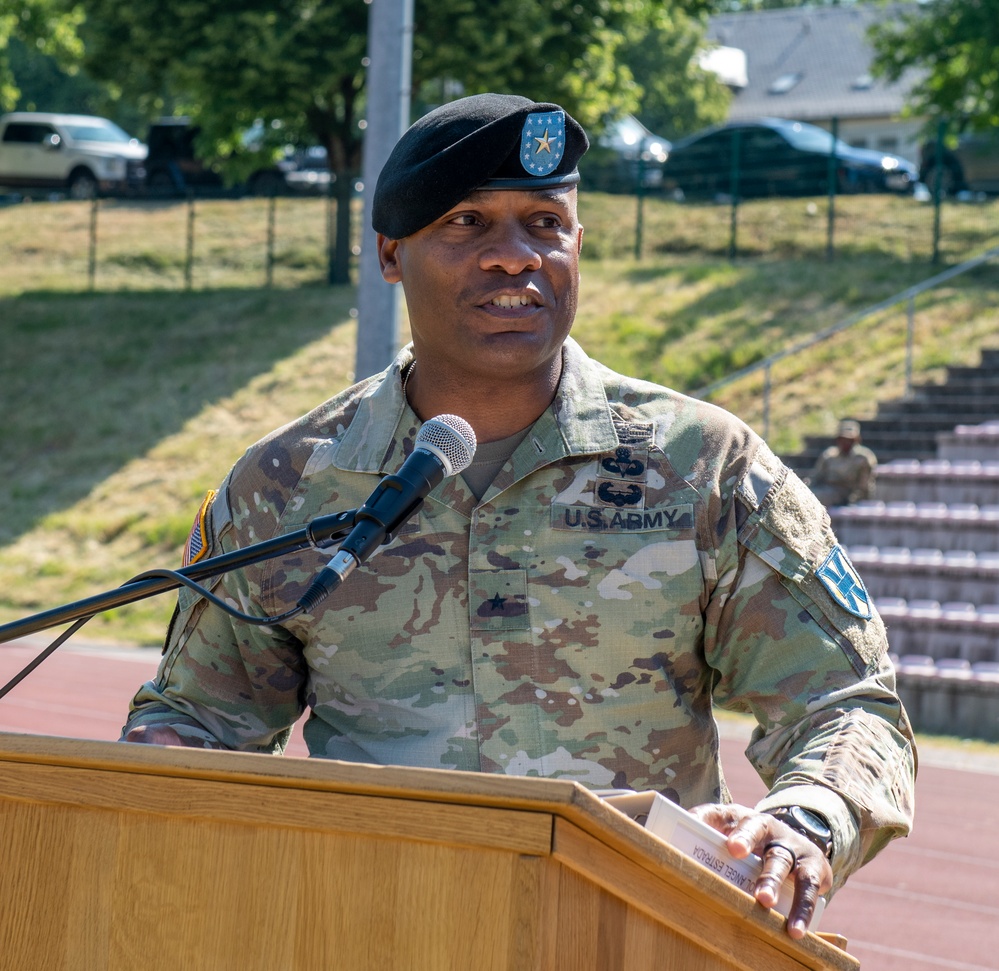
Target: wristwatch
x,y
807,822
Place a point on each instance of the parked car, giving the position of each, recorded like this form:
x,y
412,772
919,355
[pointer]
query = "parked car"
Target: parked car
x,y
972,165
778,157
626,155
174,168
83,155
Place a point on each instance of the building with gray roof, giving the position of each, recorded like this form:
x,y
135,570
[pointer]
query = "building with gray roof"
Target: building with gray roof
x,y
813,64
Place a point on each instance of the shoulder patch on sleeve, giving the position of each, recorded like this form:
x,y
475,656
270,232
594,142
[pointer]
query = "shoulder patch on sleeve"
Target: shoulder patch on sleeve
x,y
787,526
789,529
198,541
838,575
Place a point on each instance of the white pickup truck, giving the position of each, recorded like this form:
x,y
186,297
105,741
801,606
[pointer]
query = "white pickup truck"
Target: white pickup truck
x,y
82,155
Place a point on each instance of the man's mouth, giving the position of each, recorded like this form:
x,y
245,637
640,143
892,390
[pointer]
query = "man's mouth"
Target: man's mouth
x,y
507,301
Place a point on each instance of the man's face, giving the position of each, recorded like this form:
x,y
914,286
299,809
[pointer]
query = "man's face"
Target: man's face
x,y
492,286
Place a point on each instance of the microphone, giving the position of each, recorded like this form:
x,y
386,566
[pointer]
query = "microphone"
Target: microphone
x,y
444,446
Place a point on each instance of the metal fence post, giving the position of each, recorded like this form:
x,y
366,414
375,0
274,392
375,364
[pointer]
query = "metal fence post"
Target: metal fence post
x,y
271,208
330,234
733,186
938,187
831,221
340,262
92,251
910,333
640,197
189,254
766,402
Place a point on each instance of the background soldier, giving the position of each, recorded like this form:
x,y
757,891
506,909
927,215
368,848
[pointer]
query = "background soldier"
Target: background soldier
x,y
846,471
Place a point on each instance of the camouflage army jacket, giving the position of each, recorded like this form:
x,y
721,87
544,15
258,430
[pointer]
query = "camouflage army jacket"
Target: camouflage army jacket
x,y
642,557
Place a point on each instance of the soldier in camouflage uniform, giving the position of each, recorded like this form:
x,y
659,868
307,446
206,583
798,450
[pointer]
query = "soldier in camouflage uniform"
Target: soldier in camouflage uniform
x,y
617,560
845,472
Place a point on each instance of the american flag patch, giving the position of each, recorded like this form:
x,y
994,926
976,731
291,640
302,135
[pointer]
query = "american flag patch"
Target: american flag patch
x,y
197,541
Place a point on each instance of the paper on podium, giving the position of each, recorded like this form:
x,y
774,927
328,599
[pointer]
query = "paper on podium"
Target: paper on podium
x,y
674,825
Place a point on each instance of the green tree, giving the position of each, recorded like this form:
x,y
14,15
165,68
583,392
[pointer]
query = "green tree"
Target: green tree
x,y
44,84
677,97
954,47
45,26
299,64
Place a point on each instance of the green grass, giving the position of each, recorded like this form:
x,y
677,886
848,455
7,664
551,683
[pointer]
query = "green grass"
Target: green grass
x,y
122,405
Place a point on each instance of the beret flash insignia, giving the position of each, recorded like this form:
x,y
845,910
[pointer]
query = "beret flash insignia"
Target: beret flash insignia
x,y
542,142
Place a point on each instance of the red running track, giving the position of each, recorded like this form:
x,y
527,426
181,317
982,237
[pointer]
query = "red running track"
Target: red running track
x,y
927,903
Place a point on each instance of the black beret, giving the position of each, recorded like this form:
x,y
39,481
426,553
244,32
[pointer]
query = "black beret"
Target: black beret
x,y
485,141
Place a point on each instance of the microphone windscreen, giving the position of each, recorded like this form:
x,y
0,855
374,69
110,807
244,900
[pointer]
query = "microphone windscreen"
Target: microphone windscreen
x,y
451,439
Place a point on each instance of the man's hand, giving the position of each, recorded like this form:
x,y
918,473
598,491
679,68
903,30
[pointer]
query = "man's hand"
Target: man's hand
x,y
159,735
784,852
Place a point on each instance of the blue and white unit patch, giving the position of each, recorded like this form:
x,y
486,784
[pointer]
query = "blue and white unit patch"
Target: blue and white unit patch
x,y
840,578
542,142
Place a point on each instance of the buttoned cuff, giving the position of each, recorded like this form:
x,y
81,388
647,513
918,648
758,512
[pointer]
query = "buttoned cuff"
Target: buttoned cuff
x,y
191,731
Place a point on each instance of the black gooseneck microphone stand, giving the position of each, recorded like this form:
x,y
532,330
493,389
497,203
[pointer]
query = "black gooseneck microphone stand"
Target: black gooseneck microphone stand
x,y
319,535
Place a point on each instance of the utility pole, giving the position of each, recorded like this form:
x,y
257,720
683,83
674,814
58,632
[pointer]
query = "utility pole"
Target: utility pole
x,y
389,75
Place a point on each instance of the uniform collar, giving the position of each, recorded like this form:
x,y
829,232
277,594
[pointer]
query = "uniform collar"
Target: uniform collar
x,y
579,421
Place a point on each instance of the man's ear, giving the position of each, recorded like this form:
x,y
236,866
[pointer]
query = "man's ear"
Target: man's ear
x,y
388,258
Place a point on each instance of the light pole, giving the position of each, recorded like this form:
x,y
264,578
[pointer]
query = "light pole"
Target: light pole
x,y
389,75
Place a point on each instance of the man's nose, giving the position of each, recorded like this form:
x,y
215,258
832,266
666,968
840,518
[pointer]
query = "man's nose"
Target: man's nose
x,y
511,250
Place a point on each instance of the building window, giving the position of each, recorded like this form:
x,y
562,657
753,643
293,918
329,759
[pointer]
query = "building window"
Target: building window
x,y
785,82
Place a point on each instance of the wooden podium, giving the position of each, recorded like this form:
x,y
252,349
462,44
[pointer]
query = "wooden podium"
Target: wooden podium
x,y
136,858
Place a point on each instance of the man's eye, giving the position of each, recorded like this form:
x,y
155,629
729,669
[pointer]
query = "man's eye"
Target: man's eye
x,y
464,219
547,222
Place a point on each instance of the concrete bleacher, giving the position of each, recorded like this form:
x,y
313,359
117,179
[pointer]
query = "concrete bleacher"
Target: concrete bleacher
x,y
953,420
922,525
950,697
970,443
928,551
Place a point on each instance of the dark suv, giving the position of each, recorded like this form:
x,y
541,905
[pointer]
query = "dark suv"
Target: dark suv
x,y
174,169
972,165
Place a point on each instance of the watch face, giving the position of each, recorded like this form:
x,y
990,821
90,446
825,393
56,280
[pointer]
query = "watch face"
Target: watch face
x,y
812,822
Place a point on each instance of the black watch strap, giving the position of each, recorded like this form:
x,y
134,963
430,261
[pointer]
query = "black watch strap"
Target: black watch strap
x,y
809,824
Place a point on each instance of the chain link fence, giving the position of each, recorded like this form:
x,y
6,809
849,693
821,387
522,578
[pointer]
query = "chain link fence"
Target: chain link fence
x,y
788,188
907,228
198,243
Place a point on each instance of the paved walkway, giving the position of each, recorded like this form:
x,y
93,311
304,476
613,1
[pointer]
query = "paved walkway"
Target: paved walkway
x,y
928,903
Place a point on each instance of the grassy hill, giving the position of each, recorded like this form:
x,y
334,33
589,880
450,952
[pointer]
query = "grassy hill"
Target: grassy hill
x,y
122,405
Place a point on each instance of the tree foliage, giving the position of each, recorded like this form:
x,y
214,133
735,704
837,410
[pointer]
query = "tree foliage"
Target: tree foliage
x,y
677,96
45,26
954,44
298,65
294,64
